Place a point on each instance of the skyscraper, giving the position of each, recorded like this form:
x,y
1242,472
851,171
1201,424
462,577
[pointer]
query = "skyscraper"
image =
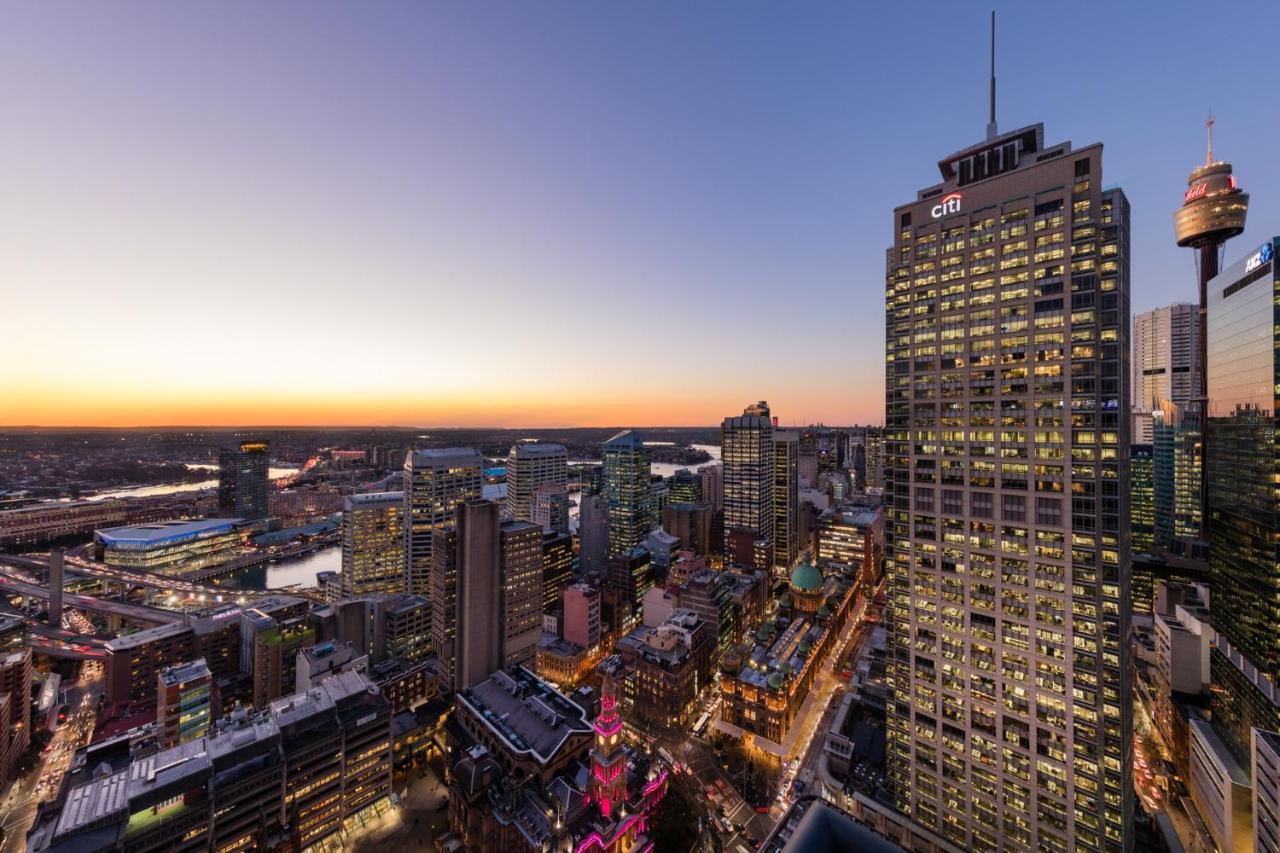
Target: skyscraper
x,y
529,466
626,492
487,575
1007,472
875,458
550,508
786,497
1177,479
746,448
520,608
557,568
685,487
1142,503
1244,508
1165,362
435,482
243,490
593,535
373,543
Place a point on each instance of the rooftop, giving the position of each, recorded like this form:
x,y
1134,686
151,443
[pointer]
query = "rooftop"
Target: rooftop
x,y
179,674
627,440
524,711
150,635
531,449
445,457
372,499
164,532
814,824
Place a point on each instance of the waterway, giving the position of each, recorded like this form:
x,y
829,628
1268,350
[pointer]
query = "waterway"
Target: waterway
x,y
297,572
174,488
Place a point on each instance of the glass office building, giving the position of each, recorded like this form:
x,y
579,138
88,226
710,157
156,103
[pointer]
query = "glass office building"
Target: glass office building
x,y
1244,506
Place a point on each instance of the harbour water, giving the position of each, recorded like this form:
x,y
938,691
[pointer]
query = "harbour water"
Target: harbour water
x,y
174,488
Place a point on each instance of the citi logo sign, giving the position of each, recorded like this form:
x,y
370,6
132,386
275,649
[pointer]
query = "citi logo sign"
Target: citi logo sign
x,y
949,204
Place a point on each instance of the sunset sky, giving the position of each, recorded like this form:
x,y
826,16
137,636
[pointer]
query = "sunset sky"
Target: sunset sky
x,y
542,214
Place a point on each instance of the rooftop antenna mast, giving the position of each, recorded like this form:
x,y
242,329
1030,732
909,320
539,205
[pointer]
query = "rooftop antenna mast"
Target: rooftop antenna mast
x,y
991,115
1209,124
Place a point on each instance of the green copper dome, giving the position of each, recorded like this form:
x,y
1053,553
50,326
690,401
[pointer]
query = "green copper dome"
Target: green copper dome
x,y
775,681
806,577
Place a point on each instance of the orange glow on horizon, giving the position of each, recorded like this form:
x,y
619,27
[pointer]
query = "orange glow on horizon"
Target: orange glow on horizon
x,y
49,407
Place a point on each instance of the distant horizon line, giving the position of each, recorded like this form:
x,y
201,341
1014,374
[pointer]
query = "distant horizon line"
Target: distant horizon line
x,y
250,427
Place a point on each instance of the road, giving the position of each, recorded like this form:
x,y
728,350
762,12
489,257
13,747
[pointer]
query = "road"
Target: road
x,y
75,731
714,788
827,690
12,586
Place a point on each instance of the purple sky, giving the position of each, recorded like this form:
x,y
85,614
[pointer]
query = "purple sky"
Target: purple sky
x,y
543,213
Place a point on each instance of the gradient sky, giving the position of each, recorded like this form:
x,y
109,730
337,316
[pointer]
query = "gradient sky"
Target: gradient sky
x,y
543,214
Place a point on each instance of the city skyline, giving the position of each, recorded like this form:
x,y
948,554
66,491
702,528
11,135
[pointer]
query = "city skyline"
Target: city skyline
x,y
351,174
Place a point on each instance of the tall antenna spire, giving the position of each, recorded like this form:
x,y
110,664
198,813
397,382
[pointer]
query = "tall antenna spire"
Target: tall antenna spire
x,y
1209,124
991,119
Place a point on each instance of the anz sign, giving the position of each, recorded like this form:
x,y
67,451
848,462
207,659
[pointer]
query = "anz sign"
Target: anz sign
x,y
1258,258
948,205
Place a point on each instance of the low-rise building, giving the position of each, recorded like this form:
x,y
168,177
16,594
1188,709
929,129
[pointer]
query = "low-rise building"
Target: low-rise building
x,y
1221,789
171,548
134,661
318,662
668,666
1265,752
563,662
764,684
382,625
48,522
289,777
533,773
406,683
184,702
1183,635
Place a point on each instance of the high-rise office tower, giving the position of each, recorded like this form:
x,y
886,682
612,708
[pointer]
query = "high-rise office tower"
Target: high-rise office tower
x,y
1007,483
626,492
557,568
713,486
243,489
1142,502
488,575
1177,479
659,496
746,449
373,543
550,509
1165,362
593,535
786,496
435,482
874,451
685,487
1243,465
529,466
520,608
466,585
